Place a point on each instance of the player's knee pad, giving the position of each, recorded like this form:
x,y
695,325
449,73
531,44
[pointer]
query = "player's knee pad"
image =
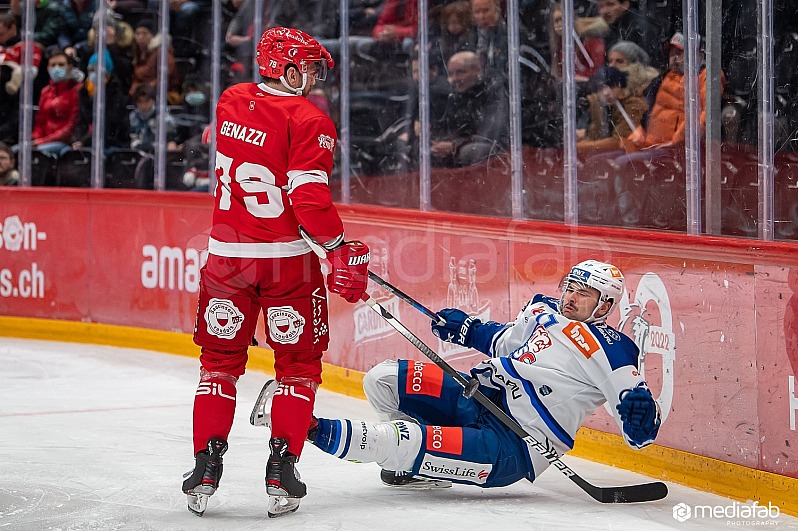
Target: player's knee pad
x,y
214,383
381,385
229,361
404,443
296,387
206,376
299,380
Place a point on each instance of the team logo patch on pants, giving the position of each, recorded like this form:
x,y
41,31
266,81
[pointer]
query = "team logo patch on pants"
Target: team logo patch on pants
x,y
424,379
224,318
447,440
285,324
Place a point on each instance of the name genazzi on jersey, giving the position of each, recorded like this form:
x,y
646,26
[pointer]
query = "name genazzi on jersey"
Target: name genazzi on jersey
x,y
243,133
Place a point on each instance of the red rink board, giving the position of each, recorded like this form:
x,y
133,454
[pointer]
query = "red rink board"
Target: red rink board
x,y
717,318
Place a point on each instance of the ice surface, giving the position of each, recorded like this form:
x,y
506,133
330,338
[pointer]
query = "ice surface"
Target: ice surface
x,y
97,437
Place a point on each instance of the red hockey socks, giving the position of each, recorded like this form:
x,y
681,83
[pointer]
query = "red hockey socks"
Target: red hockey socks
x,y
292,412
214,408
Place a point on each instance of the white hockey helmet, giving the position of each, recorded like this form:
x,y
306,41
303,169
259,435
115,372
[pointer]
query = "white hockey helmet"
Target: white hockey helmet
x,y
606,278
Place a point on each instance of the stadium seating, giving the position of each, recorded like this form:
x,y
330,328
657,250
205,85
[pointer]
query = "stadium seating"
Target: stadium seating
x,y
120,168
44,168
74,168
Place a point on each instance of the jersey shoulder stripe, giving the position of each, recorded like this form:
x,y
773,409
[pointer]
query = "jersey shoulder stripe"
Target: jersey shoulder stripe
x,y
618,347
551,302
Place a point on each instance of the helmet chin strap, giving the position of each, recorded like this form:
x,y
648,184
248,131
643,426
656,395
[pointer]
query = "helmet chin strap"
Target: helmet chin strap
x,y
297,91
593,319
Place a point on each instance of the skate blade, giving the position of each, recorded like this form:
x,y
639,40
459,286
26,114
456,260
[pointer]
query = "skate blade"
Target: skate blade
x,y
277,491
281,506
258,415
422,484
197,503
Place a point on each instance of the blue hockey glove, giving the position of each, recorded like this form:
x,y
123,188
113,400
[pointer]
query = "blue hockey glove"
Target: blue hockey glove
x,y
461,329
456,327
640,415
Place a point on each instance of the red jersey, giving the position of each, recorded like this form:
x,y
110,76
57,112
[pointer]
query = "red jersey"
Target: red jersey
x,y
274,156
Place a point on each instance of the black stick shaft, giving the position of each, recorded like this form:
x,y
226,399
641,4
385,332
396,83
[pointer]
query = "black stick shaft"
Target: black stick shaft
x,y
405,297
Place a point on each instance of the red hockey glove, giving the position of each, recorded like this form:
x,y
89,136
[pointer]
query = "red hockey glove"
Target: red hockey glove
x,y
350,270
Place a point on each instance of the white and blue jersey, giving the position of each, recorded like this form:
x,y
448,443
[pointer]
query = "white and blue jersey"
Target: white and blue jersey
x,y
546,371
553,372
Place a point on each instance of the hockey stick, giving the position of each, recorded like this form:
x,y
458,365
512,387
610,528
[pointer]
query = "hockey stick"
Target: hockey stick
x,y
405,297
624,494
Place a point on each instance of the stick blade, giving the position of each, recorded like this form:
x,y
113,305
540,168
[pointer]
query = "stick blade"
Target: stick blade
x,y
631,493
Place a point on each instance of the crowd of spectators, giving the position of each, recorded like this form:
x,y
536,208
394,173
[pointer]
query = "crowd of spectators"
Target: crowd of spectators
x,y
627,64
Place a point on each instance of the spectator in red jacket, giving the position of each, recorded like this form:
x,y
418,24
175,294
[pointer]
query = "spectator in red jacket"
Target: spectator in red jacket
x,y
397,24
59,106
588,45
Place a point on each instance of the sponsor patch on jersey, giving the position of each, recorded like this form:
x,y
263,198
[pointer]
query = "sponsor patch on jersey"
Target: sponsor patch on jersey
x,y
224,319
285,324
581,337
441,467
609,334
326,142
448,440
424,379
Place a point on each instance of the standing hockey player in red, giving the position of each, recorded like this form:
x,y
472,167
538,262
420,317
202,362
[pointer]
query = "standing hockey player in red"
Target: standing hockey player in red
x,y
273,161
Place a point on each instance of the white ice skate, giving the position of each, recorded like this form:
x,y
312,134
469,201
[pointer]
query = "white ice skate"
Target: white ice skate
x,y
262,410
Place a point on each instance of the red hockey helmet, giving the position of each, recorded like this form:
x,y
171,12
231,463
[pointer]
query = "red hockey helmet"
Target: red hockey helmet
x,y
280,47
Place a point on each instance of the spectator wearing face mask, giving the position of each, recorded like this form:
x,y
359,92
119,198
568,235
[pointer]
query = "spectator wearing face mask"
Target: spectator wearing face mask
x,y
144,122
117,125
195,110
191,123
632,59
57,117
614,112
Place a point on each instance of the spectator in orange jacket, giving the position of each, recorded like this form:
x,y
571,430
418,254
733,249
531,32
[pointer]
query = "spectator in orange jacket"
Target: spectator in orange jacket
x,y
667,119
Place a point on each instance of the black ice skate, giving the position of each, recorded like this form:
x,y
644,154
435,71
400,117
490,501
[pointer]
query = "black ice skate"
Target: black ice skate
x,y
262,411
200,483
282,480
408,481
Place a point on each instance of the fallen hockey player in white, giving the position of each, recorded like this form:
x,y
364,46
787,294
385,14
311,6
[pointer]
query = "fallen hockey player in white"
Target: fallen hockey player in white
x,y
549,369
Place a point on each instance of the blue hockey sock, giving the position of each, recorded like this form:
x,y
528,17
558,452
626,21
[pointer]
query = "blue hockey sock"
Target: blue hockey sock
x,y
393,443
328,435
